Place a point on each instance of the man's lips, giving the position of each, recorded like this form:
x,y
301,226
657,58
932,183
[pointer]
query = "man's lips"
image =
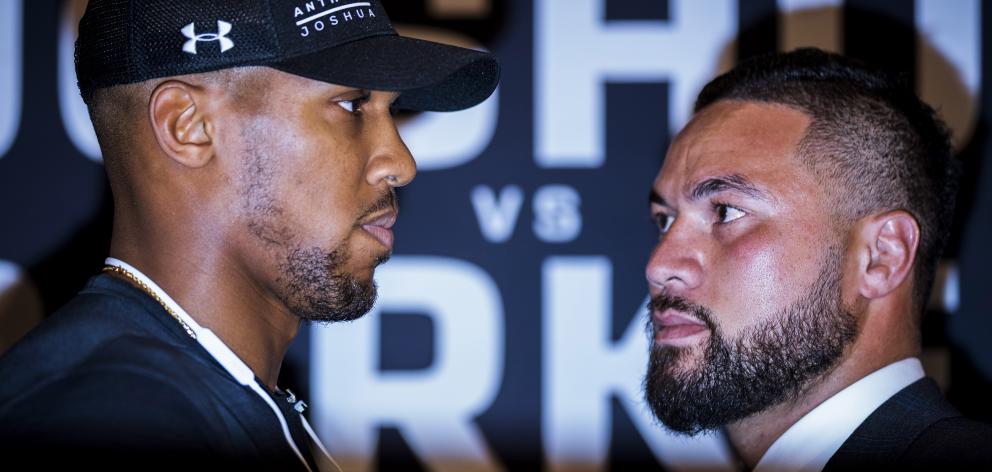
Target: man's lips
x,y
674,327
380,227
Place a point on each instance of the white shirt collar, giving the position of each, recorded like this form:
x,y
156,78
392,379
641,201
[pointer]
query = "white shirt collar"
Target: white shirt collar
x,y
809,443
166,299
210,341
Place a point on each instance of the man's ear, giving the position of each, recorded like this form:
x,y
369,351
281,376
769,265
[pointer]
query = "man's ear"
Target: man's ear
x,y
182,129
889,242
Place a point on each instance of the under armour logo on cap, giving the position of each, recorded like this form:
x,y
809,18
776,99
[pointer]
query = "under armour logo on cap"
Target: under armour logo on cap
x,y
223,28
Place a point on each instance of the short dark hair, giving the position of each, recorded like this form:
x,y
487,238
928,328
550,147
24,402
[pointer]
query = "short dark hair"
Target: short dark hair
x,y
870,137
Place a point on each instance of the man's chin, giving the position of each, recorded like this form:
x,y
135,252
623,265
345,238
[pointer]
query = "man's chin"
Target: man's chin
x,y
362,302
676,361
351,298
382,258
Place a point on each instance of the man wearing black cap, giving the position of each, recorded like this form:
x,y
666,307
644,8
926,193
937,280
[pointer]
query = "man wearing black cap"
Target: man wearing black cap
x,y
253,160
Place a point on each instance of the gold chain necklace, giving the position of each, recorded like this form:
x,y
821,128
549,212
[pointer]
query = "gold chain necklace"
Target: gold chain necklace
x,y
151,293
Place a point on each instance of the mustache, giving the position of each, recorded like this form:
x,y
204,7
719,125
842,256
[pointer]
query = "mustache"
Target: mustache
x,y
664,301
386,201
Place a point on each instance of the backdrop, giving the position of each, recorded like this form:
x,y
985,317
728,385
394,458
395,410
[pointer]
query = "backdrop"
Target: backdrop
x,y
509,330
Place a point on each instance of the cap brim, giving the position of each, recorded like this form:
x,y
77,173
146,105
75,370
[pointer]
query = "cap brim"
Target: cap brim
x,y
431,76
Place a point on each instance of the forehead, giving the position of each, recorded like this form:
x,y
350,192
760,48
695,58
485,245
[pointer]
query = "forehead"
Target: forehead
x,y
266,83
260,82
756,141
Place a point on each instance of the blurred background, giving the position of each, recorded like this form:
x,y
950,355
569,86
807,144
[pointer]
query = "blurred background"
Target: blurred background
x,y
509,334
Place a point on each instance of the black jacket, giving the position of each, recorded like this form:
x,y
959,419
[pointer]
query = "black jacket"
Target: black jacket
x,y
112,379
916,429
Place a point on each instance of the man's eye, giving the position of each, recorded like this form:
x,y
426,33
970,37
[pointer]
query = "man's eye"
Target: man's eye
x,y
664,222
353,105
727,213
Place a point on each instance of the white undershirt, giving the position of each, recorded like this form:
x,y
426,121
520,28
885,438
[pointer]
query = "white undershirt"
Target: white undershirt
x,y
813,440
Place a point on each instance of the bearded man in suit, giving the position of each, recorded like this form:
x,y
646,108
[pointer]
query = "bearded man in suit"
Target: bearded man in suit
x,y
801,215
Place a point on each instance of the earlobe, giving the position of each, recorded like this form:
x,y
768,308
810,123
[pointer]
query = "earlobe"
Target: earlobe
x,y
181,128
891,240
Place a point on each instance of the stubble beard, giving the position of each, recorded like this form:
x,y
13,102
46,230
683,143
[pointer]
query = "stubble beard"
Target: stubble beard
x,y
767,365
315,289
312,282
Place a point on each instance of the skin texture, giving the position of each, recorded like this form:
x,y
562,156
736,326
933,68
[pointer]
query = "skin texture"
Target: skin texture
x,y
750,251
246,196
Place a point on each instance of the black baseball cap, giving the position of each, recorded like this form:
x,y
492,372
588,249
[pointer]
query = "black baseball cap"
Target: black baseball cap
x,y
344,42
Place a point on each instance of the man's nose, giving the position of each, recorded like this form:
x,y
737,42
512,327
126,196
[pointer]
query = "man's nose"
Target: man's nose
x,y
676,263
391,161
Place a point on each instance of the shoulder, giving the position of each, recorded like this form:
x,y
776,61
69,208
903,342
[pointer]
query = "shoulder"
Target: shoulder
x,y
126,383
916,428
134,397
957,440
106,320
104,310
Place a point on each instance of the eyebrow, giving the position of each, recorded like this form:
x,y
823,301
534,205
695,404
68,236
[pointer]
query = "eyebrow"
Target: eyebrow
x,y
727,183
713,185
655,198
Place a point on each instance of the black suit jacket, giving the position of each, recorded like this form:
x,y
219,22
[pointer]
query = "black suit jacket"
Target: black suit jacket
x,y
916,429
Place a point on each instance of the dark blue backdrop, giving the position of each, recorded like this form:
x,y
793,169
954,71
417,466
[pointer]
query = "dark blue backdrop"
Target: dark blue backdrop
x,y
508,335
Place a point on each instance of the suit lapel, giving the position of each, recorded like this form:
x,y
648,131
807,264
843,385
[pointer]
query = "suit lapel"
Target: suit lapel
x,y
888,432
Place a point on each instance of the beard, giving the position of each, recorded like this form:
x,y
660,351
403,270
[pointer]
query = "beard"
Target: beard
x,y
766,365
317,289
312,282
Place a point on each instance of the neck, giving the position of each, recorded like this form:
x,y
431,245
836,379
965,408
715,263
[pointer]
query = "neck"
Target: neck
x,y
883,340
221,296
754,435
